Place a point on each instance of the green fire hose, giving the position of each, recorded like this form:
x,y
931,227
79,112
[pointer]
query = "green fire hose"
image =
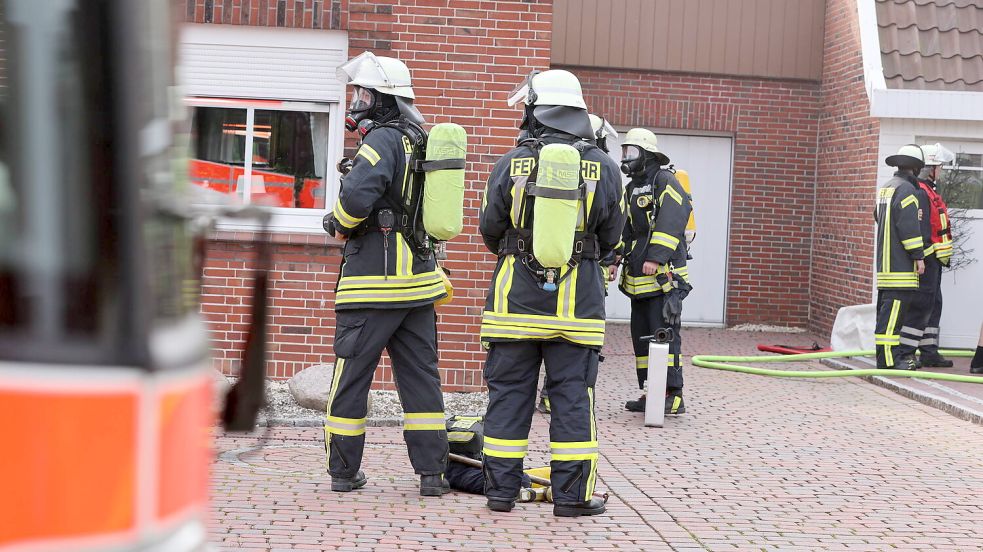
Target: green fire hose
x,y
718,362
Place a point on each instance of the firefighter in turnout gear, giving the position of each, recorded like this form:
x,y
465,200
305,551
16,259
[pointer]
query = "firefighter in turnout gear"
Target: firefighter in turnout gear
x,y
900,260
602,130
926,312
388,284
654,273
537,312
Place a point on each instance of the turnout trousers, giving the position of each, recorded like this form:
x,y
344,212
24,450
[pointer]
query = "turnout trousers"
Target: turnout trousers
x,y
512,372
893,339
646,318
929,308
410,337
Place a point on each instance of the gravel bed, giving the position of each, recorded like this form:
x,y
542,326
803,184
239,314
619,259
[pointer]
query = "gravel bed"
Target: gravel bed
x,y
385,409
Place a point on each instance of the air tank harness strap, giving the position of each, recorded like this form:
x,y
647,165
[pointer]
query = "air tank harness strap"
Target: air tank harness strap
x,y
519,242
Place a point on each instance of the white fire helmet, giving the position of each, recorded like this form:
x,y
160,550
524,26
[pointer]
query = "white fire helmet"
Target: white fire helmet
x,y
909,155
937,154
385,74
601,127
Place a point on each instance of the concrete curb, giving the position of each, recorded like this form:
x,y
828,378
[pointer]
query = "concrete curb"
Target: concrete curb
x,y
319,422
928,399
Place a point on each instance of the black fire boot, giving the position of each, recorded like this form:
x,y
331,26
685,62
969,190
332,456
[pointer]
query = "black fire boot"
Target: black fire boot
x,y
674,403
576,509
348,484
636,405
500,505
434,485
935,361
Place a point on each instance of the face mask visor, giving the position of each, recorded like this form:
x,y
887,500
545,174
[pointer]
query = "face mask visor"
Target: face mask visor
x,y
523,92
942,156
630,153
362,100
607,131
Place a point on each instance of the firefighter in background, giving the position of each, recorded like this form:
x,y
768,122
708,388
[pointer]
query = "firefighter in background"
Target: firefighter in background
x,y
937,235
388,284
655,259
602,130
533,314
900,260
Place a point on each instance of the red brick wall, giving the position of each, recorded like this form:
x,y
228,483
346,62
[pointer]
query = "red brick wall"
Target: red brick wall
x,y
464,59
774,125
847,173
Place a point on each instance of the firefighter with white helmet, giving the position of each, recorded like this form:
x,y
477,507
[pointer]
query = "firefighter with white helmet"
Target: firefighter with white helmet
x,y
900,260
389,281
926,311
654,273
602,130
552,209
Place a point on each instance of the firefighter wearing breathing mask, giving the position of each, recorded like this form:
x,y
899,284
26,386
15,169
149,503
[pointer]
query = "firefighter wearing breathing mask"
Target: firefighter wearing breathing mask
x,y
551,210
388,284
654,268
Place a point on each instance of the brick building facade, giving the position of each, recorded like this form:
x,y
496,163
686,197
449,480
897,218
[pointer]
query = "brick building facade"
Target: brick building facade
x,y
804,163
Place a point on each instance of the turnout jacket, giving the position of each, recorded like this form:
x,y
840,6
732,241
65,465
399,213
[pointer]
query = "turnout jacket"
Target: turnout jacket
x,y
517,307
937,215
899,238
658,211
381,271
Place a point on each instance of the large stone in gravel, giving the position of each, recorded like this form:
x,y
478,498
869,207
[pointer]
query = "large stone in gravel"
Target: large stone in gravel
x,y
310,387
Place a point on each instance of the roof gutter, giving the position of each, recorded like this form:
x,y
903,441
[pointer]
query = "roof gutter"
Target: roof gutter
x,y
887,102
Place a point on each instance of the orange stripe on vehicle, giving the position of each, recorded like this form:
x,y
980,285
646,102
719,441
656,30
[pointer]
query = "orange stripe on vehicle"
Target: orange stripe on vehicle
x,y
186,419
69,464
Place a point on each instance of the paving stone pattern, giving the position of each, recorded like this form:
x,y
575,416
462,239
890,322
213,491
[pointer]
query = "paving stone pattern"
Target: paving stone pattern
x,y
756,464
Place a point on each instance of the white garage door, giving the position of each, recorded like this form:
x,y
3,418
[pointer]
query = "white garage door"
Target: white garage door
x,y
708,161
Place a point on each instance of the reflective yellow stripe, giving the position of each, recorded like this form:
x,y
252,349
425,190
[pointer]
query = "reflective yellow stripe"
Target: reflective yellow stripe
x,y
913,243
641,362
544,321
337,425
503,284
505,448
387,296
369,154
661,238
910,200
892,323
581,338
672,193
592,479
577,450
393,281
344,218
424,421
335,378
566,298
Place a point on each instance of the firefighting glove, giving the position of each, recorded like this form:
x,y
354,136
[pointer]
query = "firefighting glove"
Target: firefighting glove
x,y
344,166
329,224
672,307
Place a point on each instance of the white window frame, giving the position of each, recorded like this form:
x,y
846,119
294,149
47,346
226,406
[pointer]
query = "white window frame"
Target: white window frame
x,y
284,219
957,146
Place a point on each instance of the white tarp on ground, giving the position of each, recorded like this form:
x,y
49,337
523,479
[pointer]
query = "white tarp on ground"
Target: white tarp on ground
x,y
853,329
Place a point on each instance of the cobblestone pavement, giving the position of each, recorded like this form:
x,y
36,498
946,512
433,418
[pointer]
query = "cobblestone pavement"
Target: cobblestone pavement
x,y
755,464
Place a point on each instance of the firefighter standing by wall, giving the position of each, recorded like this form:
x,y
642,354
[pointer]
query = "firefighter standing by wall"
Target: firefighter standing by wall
x,y
533,314
927,311
388,284
654,275
900,260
